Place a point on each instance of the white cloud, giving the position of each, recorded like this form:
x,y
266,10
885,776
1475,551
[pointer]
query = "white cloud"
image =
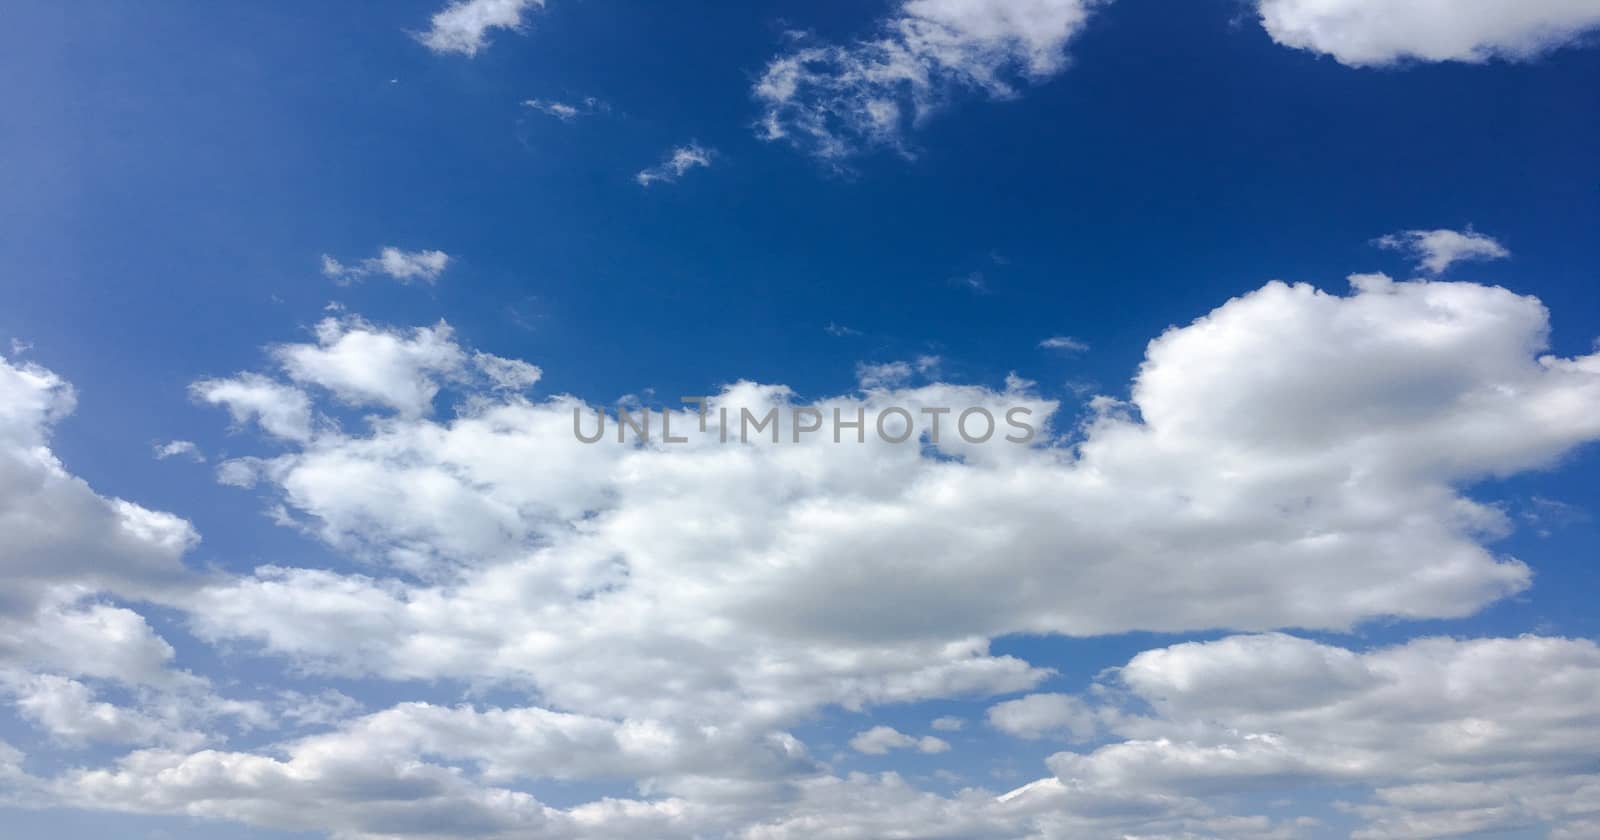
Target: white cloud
x,y
1363,33
507,374
1437,250
566,111
1450,736
67,710
879,740
678,161
1044,715
677,608
179,448
366,365
537,553
948,724
404,266
1064,342
281,410
872,375
835,101
463,26
63,540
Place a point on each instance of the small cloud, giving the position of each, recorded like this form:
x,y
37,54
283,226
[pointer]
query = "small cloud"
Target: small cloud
x,y
462,26
949,723
18,346
1065,343
839,330
1437,250
565,111
973,281
179,448
404,266
1549,515
879,740
507,374
884,375
678,161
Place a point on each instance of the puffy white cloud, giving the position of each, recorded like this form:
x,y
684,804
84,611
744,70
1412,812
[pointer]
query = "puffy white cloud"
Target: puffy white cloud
x,y
1042,715
1448,736
67,710
404,266
1437,250
1291,459
1294,458
678,161
63,540
948,723
833,101
463,26
1374,32
282,411
364,365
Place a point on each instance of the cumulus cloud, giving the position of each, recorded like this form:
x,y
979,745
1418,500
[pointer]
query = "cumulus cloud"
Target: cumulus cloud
x,y
365,365
1433,385
395,263
281,410
1363,33
62,539
677,162
1293,458
1449,736
463,26
1041,715
1437,250
834,101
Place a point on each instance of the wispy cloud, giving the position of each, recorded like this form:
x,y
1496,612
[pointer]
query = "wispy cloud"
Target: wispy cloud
x,y
565,111
835,101
1064,342
678,161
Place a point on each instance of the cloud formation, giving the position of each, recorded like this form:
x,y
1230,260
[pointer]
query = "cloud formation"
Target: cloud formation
x,y
405,266
835,101
1365,33
675,164
463,26
670,614
1437,250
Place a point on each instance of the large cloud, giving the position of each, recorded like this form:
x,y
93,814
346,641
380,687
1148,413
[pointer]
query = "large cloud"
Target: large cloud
x,y
1373,32
1288,460
673,611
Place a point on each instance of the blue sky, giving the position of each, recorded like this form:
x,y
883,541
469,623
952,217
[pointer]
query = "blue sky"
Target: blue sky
x,y
437,615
